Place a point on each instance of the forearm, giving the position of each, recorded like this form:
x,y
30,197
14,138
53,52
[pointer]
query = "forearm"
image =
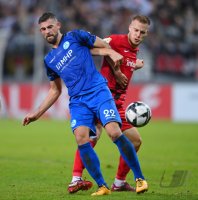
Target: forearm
x,y
47,103
101,51
53,94
102,48
100,43
113,58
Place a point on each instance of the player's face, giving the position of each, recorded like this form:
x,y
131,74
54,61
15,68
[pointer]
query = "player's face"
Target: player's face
x,y
50,30
137,32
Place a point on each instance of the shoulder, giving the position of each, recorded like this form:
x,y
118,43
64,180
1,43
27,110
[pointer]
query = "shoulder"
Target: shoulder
x,y
117,38
81,35
77,32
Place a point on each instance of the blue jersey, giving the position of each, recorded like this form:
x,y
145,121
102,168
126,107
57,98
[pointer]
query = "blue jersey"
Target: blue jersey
x,y
73,63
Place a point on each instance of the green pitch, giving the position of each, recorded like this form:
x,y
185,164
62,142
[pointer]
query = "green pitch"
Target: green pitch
x,y
36,161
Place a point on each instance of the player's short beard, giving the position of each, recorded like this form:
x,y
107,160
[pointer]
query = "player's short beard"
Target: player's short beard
x,y
54,40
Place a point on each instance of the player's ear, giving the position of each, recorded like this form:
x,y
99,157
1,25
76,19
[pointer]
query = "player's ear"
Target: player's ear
x,y
146,33
130,27
59,24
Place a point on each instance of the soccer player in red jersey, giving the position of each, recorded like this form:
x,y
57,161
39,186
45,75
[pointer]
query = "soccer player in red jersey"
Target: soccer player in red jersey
x,y
118,81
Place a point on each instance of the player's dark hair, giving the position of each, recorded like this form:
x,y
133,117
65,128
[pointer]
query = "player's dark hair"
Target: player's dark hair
x,y
142,18
45,16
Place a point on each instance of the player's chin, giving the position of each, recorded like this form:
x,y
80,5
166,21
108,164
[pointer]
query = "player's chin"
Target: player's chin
x,y
137,43
50,40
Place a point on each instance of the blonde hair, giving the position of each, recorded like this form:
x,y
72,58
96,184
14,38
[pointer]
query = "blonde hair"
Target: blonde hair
x,y
142,18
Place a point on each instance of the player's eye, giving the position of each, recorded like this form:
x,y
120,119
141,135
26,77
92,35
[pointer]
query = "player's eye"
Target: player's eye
x,y
42,29
143,32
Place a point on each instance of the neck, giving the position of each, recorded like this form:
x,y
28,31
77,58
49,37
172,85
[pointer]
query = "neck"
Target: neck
x,y
130,42
58,40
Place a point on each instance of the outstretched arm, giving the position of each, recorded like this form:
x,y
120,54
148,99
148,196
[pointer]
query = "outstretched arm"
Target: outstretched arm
x,y
121,79
53,94
102,48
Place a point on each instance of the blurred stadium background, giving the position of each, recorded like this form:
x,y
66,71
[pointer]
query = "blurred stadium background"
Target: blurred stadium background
x,y
168,82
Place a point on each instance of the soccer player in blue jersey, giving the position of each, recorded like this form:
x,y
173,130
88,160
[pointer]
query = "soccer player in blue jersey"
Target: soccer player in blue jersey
x,y
90,98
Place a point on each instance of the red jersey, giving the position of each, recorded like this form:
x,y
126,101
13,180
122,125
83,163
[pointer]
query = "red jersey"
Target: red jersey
x,y
120,44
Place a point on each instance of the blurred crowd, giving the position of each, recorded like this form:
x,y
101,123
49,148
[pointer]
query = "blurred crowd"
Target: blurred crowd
x,y
172,41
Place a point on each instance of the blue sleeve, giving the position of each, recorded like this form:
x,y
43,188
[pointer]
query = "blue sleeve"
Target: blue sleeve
x,y
84,37
50,73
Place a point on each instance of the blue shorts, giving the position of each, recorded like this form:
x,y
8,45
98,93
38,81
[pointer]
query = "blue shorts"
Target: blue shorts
x,y
85,109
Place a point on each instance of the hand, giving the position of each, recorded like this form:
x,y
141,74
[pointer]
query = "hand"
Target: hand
x,y
121,79
114,59
139,64
28,119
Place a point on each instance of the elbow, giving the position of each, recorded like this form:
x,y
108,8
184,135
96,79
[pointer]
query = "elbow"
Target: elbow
x,y
58,92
